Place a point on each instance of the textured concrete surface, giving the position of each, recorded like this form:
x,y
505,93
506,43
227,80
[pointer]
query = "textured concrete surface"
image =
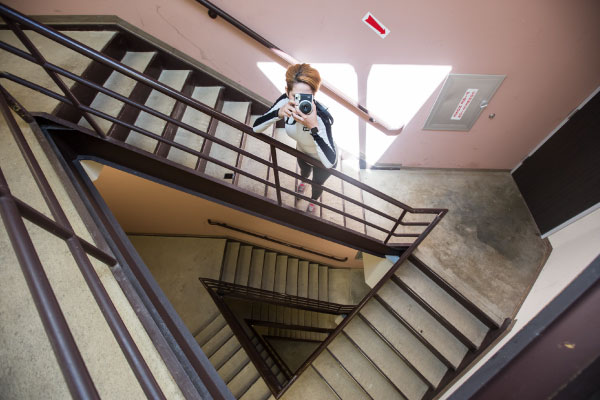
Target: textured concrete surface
x,y
29,368
293,352
176,263
487,245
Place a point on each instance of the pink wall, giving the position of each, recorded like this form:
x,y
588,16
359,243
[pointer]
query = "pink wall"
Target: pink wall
x,y
549,51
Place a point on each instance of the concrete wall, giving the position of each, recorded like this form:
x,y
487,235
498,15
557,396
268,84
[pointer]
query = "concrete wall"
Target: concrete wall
x,y
574,248
547,49
28,367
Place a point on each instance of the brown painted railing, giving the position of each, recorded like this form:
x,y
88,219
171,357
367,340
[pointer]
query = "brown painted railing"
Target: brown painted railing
x,y
223,288
377,231
13,212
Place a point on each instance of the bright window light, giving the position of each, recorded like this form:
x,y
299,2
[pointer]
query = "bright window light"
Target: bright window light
x,y
396,92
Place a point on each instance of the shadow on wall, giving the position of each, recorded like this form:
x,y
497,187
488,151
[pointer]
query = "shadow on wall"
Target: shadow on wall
x,y
395,93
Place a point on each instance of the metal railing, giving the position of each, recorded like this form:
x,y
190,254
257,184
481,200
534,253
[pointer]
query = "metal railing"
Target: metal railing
x,y
14,211
223,288
383,231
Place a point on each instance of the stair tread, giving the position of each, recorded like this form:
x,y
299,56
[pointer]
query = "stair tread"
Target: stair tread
x,y
256,267
422,321
119,83
233,365
243,380
268,278
406,343
259,149
362,370
259,390
242,272
225,352
313,281
210,329
338,378
280,273
207,95
218,340
287,161
237,110
309,386
292,277
386,360
339,285
230,261
443,303
323,283
159,102
303,278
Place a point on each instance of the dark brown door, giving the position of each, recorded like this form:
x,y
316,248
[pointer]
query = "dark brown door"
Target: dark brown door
x,y
562,178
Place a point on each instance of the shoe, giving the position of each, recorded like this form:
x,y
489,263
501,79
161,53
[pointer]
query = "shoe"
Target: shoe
x,y
300,188
311,208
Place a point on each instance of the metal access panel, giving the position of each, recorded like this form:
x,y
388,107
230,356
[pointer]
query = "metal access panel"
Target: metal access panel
x,y
461,100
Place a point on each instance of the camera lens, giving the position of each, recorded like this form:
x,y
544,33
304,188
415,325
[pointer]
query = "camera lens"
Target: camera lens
x,y
305,107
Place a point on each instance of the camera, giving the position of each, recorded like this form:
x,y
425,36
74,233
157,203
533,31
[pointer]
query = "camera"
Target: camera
x,y
304,102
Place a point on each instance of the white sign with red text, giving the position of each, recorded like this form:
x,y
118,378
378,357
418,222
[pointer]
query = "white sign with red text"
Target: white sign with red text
x,y
463,104
377,26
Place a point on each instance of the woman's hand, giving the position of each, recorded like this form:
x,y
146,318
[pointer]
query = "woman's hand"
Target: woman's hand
x,y
308,120
287,110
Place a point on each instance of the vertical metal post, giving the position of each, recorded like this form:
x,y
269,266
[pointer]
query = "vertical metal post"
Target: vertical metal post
x,y
276,173
395,226
69,358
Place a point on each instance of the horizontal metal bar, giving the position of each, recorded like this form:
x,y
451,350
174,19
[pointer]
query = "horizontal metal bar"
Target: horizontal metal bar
x,y
265,237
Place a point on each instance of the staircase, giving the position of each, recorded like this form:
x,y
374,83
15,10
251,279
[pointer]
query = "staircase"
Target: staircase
x,y
408,340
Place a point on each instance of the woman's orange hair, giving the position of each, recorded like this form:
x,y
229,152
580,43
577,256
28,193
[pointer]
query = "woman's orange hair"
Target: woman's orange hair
x,y
302,73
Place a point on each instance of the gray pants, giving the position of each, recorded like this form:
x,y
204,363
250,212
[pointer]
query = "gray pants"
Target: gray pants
x,y
320,175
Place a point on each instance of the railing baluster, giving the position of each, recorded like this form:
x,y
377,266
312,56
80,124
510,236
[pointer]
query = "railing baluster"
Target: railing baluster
x,y
394,228
276,173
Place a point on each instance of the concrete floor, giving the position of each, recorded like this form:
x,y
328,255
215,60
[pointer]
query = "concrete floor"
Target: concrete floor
x,y
488,245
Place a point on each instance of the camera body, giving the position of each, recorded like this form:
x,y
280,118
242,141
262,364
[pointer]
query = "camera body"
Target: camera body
x,y
304,102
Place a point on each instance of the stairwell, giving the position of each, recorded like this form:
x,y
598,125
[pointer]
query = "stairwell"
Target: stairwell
x,y
404,342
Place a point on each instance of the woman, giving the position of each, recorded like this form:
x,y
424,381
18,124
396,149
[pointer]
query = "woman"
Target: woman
x,y
312,131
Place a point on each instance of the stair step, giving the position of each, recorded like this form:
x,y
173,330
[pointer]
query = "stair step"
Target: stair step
x,y
339,282
217,341
303,279
231,368
210,330
268,278
407,344
256,268
323,283
243,380
237,110
443,303
207,95
287,161
259,149
350,168
403,378
280,273
341,382
310,386
313,281
230,262
259,390
362,370
119,83
159,102
225,352
292,277
423,322
242,272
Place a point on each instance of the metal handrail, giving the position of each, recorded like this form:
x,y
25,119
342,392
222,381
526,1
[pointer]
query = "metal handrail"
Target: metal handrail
x,y
223,288
16,19
352,105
